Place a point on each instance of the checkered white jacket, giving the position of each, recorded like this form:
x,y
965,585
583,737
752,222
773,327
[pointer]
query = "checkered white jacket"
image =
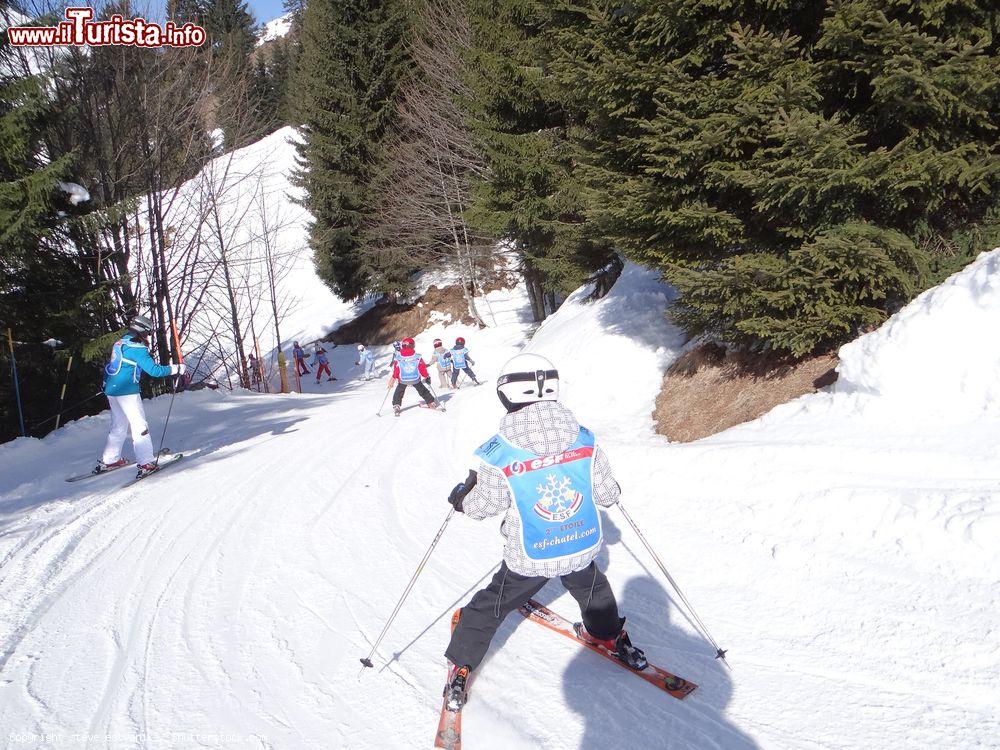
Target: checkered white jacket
x,y
545,428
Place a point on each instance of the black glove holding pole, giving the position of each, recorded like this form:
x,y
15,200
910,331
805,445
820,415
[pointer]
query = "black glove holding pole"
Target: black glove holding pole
x,y
461,490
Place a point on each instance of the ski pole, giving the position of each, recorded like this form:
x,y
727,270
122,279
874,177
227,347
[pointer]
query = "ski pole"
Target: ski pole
x,y
62,396
17,385
719,651
173,382
379,412
434,394
367,661
71,406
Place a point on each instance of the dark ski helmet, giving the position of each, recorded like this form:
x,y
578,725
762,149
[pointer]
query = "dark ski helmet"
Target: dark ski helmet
x,y
437,343
460,341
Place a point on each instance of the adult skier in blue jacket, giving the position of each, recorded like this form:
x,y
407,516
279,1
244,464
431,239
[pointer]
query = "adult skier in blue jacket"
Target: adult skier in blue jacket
x,y
130,358
547,476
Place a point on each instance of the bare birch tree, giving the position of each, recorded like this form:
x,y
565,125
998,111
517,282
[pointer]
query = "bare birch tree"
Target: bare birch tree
x,y
419,217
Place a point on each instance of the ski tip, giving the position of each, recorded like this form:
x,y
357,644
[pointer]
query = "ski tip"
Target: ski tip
x,y
367,663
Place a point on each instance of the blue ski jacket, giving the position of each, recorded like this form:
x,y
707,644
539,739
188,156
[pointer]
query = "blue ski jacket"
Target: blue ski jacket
x,y
129,359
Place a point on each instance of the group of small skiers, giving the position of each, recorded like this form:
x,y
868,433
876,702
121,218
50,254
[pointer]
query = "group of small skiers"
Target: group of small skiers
x,y
542,471
409,369
322,362
130,358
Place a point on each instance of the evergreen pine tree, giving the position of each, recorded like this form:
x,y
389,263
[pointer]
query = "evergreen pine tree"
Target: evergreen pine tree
x,y
230,26
791,166
523,121
280,72
40,296
345,85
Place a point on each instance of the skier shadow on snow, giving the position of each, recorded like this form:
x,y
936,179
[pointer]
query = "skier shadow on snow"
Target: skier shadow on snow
x,y
443,399
618,710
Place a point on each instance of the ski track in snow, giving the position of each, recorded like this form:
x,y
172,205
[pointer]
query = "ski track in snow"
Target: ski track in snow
x,y
849,564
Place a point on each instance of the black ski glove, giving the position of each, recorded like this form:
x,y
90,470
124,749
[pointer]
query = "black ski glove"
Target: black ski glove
x,y
427,381
461,490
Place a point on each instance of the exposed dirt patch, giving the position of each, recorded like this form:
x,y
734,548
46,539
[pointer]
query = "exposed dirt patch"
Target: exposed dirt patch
x,y
709,390
389,321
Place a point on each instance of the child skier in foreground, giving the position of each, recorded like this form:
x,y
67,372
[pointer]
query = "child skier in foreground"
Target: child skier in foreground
x,y
552,525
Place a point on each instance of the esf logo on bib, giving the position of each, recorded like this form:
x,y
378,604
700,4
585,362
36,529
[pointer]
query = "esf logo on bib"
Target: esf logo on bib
x,y
557,500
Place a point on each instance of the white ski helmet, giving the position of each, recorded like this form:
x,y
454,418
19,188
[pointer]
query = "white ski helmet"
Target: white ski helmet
x,y
361,347
525,379
141,324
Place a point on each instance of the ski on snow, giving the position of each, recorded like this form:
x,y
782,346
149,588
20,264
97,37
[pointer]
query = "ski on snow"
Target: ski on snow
x,y
168,461
669,683
449,731
91,474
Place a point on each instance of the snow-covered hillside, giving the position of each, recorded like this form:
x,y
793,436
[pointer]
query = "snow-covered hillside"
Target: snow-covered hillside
x,y
848,561
245,196
275,29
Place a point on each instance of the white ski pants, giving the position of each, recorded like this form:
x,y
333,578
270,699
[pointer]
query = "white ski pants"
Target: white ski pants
x,y
128,416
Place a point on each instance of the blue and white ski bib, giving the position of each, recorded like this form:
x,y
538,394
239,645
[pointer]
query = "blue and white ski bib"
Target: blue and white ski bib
x,y
554,496
458,357
409,368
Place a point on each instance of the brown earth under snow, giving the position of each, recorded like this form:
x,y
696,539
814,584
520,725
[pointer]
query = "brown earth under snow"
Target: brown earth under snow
x,y
390,321
708,389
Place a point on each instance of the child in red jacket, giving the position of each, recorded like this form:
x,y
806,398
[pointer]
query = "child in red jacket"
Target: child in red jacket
x,y
410,369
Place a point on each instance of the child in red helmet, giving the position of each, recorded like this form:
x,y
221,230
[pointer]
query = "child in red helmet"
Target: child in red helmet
x,y
410,369
460,361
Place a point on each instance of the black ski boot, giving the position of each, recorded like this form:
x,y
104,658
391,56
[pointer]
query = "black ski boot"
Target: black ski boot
x,y
629,654
395,410
620,647
456,691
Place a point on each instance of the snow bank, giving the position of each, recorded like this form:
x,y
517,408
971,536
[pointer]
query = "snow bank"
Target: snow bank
x,y
611,353
940,354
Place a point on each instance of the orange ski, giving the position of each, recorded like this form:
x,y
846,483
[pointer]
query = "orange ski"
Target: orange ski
x,y
449,731
676,686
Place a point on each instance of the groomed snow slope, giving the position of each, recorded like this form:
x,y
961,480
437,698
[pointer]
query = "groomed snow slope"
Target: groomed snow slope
x,y
848,563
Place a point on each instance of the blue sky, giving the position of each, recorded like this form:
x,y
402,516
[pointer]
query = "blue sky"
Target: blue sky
x,y
265,10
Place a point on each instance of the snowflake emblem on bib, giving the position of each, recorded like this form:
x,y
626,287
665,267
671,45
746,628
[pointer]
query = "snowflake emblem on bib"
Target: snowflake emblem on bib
x,y
557,500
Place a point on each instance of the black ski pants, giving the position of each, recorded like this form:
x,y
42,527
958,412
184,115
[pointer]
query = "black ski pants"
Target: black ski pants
x,y
455,372
507,591
397,396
